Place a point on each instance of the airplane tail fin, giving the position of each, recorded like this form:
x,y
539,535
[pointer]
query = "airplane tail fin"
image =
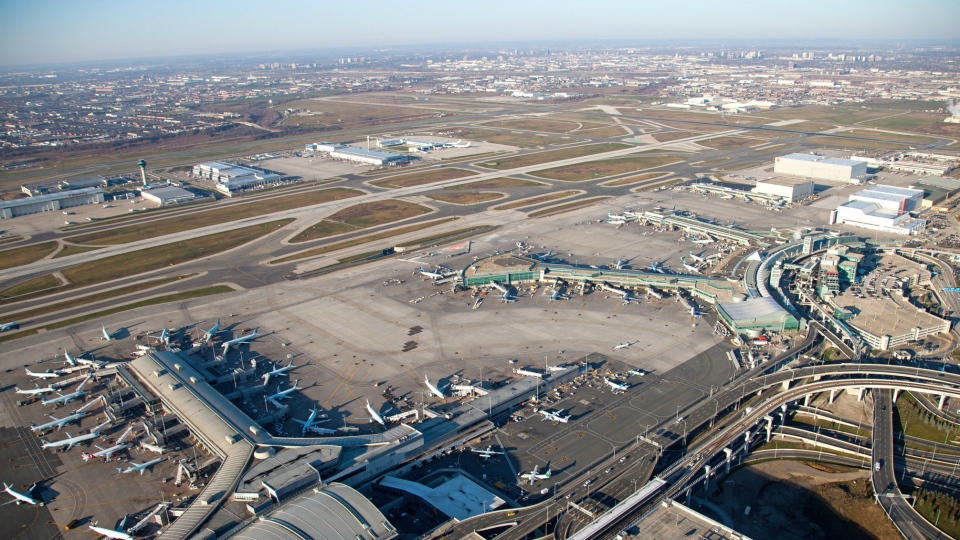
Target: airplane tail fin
x,y
119,470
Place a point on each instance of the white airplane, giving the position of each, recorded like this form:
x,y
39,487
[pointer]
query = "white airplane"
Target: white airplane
x,y
627,299
695,257
432,275
657,267
9,326
534,476
543,256
110,533
695,313
209,334
163,337
106,335
70,441
141,467
521,246
623,345
107,453
508,297
57,422
35,391
433,389
242,339
277,372
284,394
619,264
374,417
79,360
615,386
637,372
43,375
21,498
703,241
618,217
614,221
67,398
486,453
152,447
689,267
312,421
727,196
459,144
554,416
558,296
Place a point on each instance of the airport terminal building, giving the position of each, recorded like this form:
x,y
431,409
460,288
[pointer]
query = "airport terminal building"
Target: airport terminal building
x,y
231,179
50,202
821,168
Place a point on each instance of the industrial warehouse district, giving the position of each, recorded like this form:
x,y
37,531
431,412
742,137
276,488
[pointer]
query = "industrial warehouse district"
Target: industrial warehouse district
x,y
581,294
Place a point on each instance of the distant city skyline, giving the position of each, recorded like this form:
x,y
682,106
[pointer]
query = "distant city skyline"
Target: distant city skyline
x,y
59,31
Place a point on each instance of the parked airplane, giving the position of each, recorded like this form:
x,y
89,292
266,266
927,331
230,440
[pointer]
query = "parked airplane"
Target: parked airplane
x,y
107,453
695,313
242,339
558,296
110,533
458,144
657,267
141,467
432,275
9,326
21,498
626,298
703,241
79,360
554,416
615,386
71,441
614,221
543,257
623,345
486,453
106,335
209,334
619,264
534,476
43,375
277,372
689,267
616,217
34,391
312,421
637,372
67,398
284,394
433,389
695,257
374,417
57,422
521,246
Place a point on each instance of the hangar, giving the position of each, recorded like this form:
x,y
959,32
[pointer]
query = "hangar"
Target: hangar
x,y
50,202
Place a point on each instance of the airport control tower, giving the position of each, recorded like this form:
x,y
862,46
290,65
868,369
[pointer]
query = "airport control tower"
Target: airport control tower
x,y
143,170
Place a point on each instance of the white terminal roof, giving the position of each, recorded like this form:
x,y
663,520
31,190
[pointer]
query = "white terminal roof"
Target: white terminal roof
x,y
755,309
333,512
869,208
822,159
894,192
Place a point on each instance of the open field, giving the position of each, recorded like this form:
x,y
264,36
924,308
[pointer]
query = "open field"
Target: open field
x,y
609,167
12,258
575,205
143,213
668,136
910,418
73,250
359,241
467,198
603,132
429,176
31,286
328,113
141,231
843,142
910,121
496,183
553,155
520,140
729,143
146,260
896,137
175,297
533,201
940,509
542,124
95,297
632,179
361,216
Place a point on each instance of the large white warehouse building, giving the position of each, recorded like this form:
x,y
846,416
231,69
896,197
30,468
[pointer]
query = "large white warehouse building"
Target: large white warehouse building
x,y
50,202
789,189
821,168
882,208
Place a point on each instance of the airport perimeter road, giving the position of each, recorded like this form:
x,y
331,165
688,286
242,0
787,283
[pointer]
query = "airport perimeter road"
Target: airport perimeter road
x,y
911,524
313,212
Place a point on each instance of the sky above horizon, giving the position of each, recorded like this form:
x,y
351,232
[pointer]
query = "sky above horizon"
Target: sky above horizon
x,y
54,31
